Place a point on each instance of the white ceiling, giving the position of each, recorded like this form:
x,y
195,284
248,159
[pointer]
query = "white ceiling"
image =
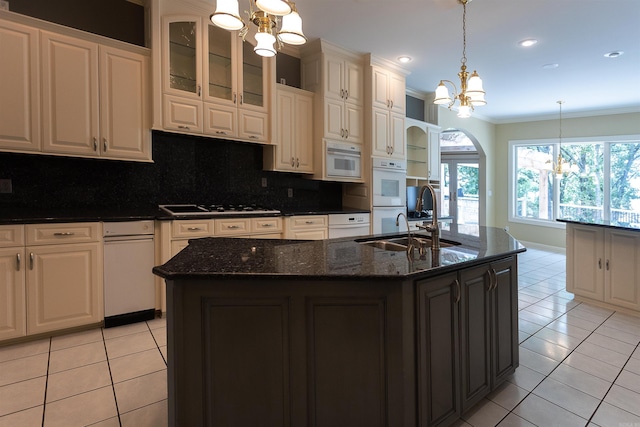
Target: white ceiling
x,y
575,34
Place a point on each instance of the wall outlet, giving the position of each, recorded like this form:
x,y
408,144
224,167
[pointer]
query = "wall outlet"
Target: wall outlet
x,y
264,182
290,192
5,186
4,5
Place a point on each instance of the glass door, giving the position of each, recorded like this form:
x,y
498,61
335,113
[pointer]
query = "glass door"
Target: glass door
x,y
459,199
183,58
253,66
221,73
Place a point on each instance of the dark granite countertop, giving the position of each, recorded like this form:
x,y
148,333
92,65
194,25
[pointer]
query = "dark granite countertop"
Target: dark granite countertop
x,y
10,215
344,258
602,223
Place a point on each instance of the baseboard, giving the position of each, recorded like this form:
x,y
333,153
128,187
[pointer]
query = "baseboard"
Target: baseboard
x,y
542,247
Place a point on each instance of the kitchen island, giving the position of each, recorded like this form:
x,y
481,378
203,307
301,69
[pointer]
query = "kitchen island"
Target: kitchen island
x,y
337,332
603,263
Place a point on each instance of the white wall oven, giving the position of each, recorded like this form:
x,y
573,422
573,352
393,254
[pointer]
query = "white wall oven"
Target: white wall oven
x,y
389,188
343,160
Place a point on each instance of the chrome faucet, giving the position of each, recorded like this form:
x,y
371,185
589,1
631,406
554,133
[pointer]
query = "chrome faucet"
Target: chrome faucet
x,y
433,228
410,240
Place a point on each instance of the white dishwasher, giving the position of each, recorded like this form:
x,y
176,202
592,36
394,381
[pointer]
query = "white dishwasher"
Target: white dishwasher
x,y
348,225
129,285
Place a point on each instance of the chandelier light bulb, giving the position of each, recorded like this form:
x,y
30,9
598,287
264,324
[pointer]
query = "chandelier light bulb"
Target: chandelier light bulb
x,y
291,31
442,94
265,45
464,111
227,15
475,91
274,7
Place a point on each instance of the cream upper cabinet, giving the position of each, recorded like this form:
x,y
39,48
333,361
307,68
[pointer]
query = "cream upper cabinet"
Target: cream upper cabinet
x,y
96,99
70,90
19,87
293,123
337,79
213,82
604,265
125,107
388,108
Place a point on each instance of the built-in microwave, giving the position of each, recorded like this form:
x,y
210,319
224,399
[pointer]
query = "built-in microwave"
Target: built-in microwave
x,y
343,160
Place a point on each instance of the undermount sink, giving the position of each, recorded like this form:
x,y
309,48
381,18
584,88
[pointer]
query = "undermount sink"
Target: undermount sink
x,y
400,243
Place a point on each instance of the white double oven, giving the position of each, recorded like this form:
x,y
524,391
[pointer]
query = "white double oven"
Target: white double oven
x,y
389,187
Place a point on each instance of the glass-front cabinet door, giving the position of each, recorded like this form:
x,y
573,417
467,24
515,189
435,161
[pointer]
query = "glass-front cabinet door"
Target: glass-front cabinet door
x,y
253,85
183,63
221,65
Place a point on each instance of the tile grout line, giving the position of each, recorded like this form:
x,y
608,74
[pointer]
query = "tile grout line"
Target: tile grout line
x,y
613,383
113,387
46,382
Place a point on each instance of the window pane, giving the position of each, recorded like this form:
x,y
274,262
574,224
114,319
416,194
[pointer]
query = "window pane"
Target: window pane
x,y
625,183
534,185
582,186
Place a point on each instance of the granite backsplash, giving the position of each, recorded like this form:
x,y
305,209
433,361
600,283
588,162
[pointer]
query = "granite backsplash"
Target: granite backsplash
x,y
186,169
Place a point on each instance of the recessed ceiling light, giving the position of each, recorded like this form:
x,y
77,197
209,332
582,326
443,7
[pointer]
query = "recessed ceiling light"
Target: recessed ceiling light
x,y
613,54
550,66
527,42
404,59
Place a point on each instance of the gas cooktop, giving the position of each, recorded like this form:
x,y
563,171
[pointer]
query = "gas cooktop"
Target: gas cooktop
x,y
202,210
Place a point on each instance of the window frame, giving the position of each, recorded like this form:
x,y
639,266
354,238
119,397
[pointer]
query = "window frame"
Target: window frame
x,y
606,141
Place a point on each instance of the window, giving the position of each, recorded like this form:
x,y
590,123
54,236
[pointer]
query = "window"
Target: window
x,y
601,180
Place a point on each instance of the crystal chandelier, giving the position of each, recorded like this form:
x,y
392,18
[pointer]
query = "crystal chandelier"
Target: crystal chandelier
x,y
265,17
471,93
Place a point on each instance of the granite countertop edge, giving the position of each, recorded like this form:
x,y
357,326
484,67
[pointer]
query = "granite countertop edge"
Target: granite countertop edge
x,y
600,223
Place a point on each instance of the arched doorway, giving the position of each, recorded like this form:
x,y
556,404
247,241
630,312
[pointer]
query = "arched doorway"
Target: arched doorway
x,y
460,181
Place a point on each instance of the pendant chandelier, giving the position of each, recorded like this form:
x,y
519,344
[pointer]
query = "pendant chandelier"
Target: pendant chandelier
x,y
560,167
471,93
265,16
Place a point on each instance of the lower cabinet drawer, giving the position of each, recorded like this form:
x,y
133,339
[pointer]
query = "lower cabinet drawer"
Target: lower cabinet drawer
x,y
54,234
233,226
192,228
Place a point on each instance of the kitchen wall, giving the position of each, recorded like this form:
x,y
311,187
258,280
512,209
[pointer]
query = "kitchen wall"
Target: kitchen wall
x,y
617,124
186,169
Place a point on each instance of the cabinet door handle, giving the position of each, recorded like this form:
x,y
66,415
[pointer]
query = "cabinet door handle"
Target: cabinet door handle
x,y
18,262
64,233
241,98
194,228
297,162
342,133
346,94
232,227
235,97
183,127
458,291
293,163
266,224
495,278
31,256
607,264
219,132
599,263
392,105
342,93
104,144
95,144
254,137
199,90
346,133
309,222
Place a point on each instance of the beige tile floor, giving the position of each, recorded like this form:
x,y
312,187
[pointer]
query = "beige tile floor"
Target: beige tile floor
x,y
579,366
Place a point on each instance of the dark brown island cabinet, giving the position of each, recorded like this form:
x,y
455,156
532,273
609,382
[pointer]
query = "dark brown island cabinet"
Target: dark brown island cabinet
x,y
380,340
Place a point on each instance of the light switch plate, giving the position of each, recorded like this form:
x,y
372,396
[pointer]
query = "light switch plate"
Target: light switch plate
x,y
4,5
